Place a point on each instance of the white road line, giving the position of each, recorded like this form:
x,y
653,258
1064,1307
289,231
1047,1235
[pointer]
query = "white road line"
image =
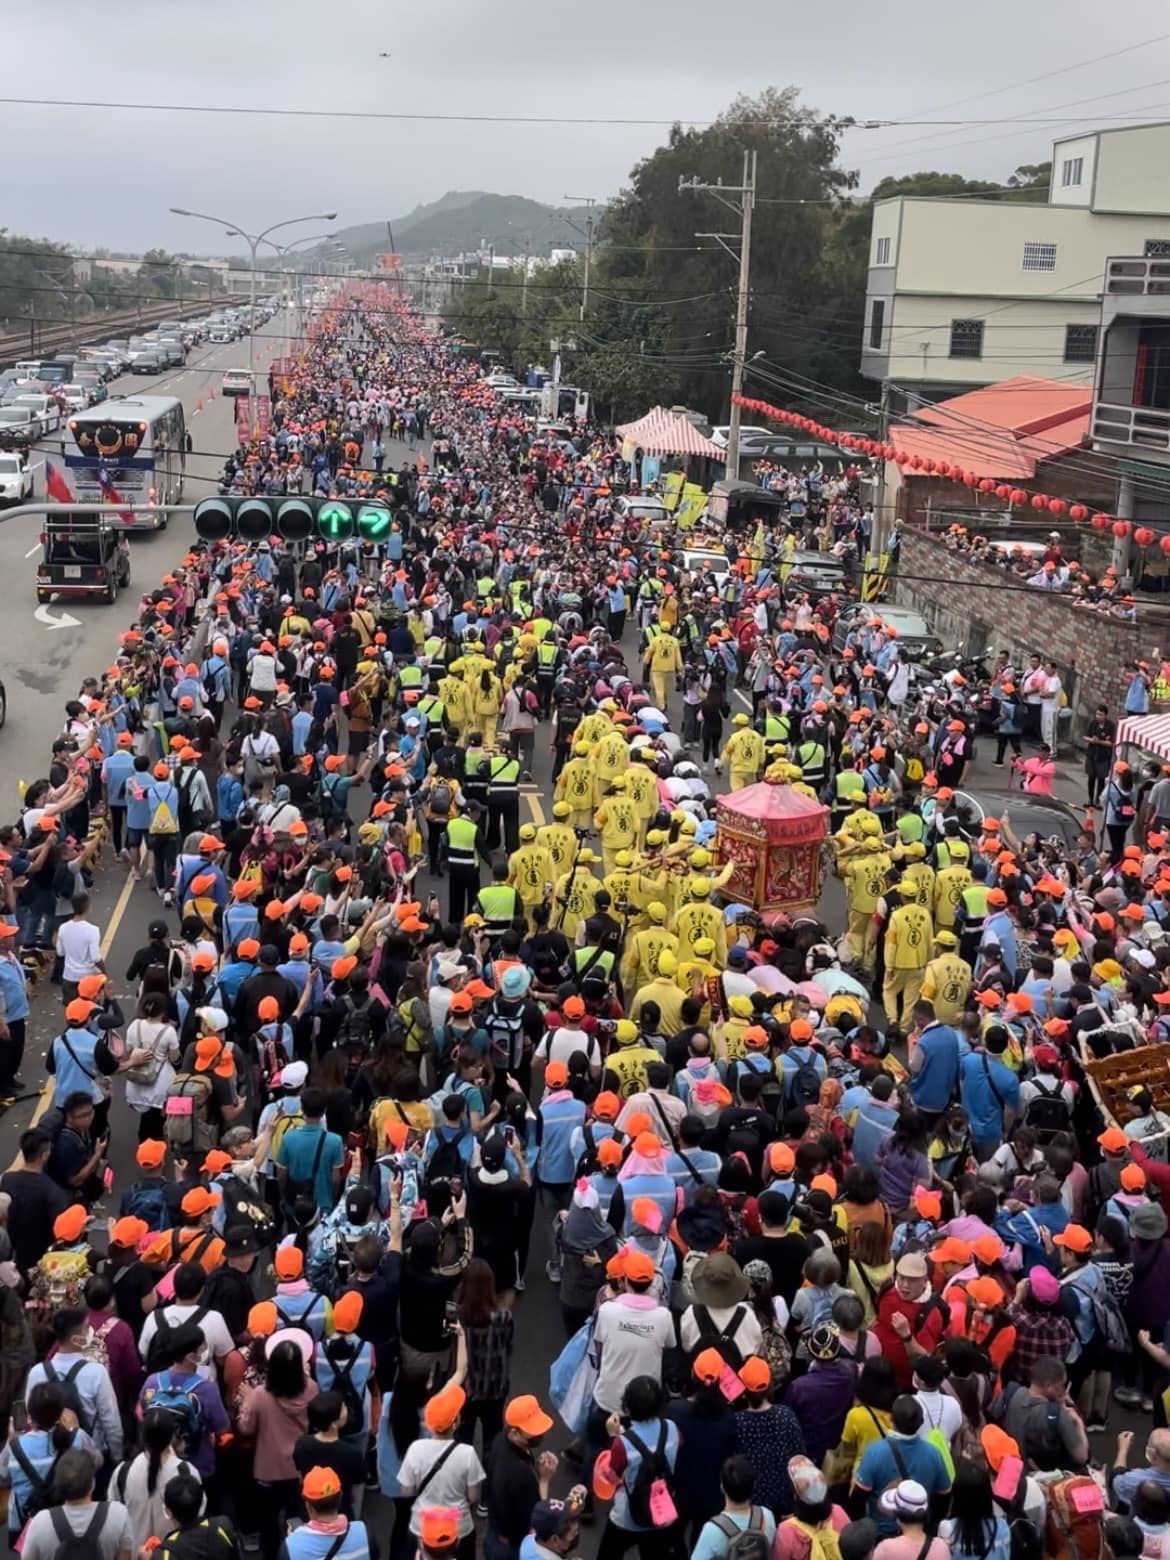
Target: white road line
x,y
740,694
33,550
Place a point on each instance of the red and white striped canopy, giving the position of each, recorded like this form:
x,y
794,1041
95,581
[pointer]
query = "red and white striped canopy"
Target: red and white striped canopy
x,y
1151,732
660,432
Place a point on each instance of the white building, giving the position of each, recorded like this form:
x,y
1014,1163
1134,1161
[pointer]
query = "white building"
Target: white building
x,y
962,293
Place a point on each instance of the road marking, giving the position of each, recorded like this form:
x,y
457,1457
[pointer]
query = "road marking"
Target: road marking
x,y
740,694
33,550
66,619
536,810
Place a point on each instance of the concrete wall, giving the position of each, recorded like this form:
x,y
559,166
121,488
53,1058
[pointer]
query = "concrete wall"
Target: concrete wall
x,y
970,604
1131,170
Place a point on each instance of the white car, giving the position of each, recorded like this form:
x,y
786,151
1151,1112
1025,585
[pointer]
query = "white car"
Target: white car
x,y
44,408
76,397
16,480
752,432
236,382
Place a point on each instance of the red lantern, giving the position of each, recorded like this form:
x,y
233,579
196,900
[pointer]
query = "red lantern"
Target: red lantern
x,y
1056,506
1039,501
986,485
1121,529
1018,498
1164,544
1143,536
1078,512
1003,490
890,453
1100,522
916,462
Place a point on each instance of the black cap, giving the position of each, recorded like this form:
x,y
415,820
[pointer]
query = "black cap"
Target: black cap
x,y
240,1240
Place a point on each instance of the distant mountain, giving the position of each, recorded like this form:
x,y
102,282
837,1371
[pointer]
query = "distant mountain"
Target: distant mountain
x,y
460,221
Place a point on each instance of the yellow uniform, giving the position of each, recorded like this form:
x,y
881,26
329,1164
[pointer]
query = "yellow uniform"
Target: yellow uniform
x,y
453,692
642,789
628,1064
621,886
665,661
560,842
946,982
576,893
669,999
743,753
592,729
575,786
617,821
697,920
643,950
923,876
486,694
530,871
909,933
949,883
611,757
865,883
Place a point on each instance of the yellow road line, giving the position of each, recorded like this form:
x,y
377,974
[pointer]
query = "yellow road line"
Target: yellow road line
x,y
536,809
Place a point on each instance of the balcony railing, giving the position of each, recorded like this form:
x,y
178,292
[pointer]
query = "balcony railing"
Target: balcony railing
x,y
1139,427
1137,276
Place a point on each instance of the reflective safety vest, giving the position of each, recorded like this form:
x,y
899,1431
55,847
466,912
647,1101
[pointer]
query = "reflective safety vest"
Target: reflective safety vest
x,y
546,656
974,901
811,758
474,783
500,905
504,776
433,708
848,783
593,959
485,585
776,728
462,843
410,677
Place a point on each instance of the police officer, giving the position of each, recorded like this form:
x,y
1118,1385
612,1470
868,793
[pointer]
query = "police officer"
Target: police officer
x,y
500,904
503,802
462,853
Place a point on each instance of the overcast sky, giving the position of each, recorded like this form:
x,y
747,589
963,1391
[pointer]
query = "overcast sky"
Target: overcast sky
x,y
91,176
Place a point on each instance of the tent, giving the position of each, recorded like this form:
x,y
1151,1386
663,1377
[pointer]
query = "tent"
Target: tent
x,y
660,432
1151,732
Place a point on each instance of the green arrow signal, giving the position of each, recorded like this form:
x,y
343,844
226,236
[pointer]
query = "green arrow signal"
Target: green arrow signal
x,y
373,522
335,522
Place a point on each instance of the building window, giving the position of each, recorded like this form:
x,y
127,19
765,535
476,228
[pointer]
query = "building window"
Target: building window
x,y
1157,249
966,338
1071,171
876,320
882,256
1039,257
1080,343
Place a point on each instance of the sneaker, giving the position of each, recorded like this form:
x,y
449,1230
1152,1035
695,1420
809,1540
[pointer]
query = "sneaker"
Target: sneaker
x,y
1129,1397
552,1271
1093,1425
520,1286
481,1509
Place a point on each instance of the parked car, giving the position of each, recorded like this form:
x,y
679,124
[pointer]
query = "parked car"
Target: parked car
x,y
18,425
235,381
43,407
818,573
915,635
16,479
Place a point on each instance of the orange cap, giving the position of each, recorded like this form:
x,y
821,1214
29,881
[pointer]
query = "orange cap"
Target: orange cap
x,y
438,1527
1075,1237
443,1410
525,1414
342,968
347,1311
637,1265
150,1153
289,1262
708,1366
69,1224
756,1374
129,1231
269,1009
320,1484
262,1319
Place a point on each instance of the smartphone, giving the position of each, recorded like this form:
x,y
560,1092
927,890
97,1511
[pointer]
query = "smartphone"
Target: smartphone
x,y
450,1316
509,1134
456,1189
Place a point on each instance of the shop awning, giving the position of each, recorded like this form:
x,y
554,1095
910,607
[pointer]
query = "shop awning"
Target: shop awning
x,y
1151,732
660,432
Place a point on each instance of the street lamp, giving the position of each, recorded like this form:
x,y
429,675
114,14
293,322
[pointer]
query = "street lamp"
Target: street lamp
x,y
283,250
253,242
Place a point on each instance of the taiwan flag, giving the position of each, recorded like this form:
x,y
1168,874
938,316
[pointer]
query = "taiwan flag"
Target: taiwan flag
x,y
56,486
112,496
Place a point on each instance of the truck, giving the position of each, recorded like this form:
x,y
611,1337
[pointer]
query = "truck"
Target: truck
x,y
561,400
82,555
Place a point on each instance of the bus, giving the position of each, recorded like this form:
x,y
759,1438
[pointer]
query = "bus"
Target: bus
x,y
129,447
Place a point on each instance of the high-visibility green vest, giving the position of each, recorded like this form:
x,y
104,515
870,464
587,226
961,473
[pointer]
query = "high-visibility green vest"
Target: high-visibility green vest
x,y
811,757
472,759
485,585
519,589
591,959
776,728
500,904
504,775
462,846
848,784
433,708
410,677
974,906
546,654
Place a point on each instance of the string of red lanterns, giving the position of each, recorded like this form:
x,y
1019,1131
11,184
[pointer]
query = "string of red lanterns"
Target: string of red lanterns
x,y
1016,497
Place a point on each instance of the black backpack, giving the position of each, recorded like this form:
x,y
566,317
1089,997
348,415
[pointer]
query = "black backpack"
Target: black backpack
x,y
159,1346
722,1340
79,1546
343,1383
804,1087
356,1027
68,1385
652,1467
1048,1112
445,1165
439,801
241,1205
749,1543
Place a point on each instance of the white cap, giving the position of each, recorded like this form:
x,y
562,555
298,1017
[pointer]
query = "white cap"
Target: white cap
x,y
293,1076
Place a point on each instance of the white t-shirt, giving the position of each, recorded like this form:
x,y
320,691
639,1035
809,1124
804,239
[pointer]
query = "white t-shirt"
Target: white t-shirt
x,y
262,674
450,1485
80,945
148,1517
631,1337
216,1337
560,1045
41,1541
940,1411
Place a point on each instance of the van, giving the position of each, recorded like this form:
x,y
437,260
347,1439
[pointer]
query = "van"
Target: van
x,y
28,368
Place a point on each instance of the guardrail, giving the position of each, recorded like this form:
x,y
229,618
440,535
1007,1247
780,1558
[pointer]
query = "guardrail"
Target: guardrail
x,y
94,327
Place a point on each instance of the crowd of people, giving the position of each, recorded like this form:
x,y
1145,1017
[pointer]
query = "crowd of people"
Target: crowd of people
x,y
842,1244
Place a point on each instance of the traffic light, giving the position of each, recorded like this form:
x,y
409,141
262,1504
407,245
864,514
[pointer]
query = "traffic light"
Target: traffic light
x,y
292,519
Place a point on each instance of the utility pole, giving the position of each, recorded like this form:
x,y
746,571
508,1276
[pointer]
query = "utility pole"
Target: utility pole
x,y
743,206
524,279
879,535
491,267
588,202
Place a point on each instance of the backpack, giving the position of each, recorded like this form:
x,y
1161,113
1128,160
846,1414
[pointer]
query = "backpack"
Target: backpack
x,y
95,1348
187,1126
822,1540
654,1482
180,1402
56,1282
159,1339
79,1546
284,1122
40,1493
1047,1112
274,1057
1071,1534
162,818
439,800
503,1032
444,1166
241,1205
68,1385
189,819
355,1418
148,1203
1110,1323
353,1033
804,1086
749,1543
722,1340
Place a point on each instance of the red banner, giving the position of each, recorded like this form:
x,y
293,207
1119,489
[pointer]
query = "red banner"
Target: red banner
x,y
243,417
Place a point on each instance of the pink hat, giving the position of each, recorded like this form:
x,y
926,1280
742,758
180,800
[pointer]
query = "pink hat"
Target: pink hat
x,y
1044,1285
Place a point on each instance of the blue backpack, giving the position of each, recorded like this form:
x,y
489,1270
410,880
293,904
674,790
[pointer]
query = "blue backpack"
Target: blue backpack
x,y
148,1203
179,1400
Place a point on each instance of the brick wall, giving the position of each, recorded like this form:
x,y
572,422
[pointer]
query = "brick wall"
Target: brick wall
x,y
969,603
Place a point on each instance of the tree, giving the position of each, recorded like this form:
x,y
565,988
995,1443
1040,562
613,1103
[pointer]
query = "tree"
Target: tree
x,y
159,273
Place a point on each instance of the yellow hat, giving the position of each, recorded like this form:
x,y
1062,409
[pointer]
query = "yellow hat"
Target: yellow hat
x,y
561,809
907,886
740,1005
667,963
740,719
704,946
915,851
699,887
583,749
688,825
624,858
655,837
527,831
699,858
656,910
618,783
871,845
625,1031
586,857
